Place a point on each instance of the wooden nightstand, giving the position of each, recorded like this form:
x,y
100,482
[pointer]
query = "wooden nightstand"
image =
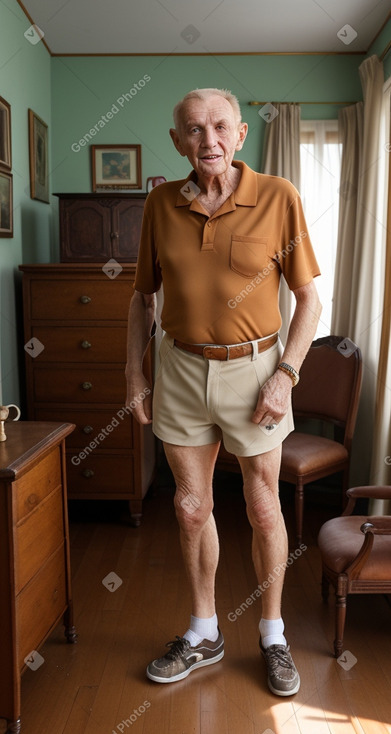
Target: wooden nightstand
x,y
35,579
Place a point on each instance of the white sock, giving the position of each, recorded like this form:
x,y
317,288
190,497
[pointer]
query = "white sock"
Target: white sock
x,y
202,629
271,632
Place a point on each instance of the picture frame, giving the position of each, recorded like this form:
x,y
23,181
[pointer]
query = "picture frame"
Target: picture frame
x,y
6,205
39,160
116,167
5,135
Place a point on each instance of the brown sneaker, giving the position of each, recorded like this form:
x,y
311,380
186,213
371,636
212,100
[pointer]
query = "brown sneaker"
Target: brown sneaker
x,y
182,659
282,676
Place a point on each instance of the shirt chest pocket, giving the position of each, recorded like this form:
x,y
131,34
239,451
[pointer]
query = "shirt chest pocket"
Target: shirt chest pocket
x,y
248,255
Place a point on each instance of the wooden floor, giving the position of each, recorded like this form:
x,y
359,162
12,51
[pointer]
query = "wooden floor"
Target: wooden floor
x,y
99,685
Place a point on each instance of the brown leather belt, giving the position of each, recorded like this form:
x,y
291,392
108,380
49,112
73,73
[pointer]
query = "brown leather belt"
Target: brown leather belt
x,y
227,351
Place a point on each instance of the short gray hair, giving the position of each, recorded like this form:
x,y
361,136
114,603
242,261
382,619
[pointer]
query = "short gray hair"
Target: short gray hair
x,y
204,94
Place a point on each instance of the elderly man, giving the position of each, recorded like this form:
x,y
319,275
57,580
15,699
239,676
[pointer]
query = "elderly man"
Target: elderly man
x,y
219,242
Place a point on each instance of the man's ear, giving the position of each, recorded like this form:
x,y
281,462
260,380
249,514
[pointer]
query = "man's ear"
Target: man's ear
x,y
176,140
243,128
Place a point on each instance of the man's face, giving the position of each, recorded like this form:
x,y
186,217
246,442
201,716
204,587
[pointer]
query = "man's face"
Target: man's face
x,y
209,135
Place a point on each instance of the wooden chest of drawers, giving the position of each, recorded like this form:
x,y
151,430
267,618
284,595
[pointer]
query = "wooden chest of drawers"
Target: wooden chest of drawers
x,y
75,342
35,583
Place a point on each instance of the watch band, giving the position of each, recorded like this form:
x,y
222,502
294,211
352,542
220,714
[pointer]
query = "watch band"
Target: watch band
x,y
289,370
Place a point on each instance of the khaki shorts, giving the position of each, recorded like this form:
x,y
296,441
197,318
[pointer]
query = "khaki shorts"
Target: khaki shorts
x,y
199,401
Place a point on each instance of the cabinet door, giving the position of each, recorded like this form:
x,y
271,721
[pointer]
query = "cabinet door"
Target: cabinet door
x,y
85,229
127,218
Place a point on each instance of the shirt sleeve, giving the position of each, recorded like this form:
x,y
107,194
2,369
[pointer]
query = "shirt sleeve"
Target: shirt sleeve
x,y
148,274
296,256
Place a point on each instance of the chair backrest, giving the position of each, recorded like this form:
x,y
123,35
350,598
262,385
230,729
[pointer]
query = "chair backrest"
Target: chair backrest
x,y
330,383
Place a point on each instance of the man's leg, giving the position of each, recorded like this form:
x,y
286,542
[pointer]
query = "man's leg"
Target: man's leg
x,y
270,544
270,550
203,643
192,467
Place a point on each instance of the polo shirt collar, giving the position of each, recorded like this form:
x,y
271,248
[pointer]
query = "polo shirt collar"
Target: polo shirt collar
x,y
245,195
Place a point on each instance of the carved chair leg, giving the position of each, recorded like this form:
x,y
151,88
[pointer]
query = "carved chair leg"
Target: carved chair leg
x,y
325,587
340,616
299,504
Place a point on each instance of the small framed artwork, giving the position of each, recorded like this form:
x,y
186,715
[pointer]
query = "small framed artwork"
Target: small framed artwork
x,y
39,163
6,218
116,167
5,135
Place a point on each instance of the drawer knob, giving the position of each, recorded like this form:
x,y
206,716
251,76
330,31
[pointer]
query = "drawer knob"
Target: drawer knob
x,y
85,344
32,500
114,235
87,385
85,299
88,429
88,473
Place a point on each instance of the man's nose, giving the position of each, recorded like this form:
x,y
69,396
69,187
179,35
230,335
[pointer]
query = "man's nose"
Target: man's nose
x,y
209,137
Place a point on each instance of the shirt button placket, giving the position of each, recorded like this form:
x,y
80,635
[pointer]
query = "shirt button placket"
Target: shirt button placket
x,y
208,235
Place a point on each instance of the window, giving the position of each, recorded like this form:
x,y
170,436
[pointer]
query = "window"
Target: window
x,y
320,161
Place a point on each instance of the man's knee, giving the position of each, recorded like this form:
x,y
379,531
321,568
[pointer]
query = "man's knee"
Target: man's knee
x,y
192,510
263,507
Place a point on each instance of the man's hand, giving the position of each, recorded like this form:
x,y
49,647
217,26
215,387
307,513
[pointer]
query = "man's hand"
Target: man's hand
x,y
273,400
275,395
139,398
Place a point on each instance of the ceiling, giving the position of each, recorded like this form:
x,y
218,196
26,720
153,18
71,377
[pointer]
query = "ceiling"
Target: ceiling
x,y
207,26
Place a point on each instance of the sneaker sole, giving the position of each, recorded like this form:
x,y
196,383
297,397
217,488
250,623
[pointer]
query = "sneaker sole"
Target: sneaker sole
x,y
284,693
187,672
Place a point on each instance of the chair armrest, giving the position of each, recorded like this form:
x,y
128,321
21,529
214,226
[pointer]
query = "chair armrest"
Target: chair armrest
x,y
377,525
374,492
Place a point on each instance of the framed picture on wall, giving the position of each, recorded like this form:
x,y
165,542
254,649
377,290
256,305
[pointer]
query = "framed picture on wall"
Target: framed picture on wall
x,y
38,153
5,135
6,218
116,167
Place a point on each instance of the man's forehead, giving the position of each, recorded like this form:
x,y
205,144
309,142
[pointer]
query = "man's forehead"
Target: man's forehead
x,y
214,107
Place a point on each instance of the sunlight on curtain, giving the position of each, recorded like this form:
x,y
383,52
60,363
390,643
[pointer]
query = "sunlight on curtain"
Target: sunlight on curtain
x,y
381,456
320,161
360,264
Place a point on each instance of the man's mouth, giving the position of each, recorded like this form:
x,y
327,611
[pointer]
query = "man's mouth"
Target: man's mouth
x,y
210,157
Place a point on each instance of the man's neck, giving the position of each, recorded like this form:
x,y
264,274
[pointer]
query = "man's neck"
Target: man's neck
x,y
217,189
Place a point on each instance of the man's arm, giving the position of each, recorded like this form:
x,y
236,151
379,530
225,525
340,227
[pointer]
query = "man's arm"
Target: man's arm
x,y
142,311
275,395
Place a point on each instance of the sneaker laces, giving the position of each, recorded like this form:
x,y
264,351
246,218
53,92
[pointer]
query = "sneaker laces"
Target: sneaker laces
x,y
279,656
178,648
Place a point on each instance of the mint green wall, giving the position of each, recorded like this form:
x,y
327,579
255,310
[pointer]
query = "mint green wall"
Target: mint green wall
x,y
86,88
24,83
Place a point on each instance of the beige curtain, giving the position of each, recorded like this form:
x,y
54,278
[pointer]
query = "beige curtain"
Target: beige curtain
x,y
281,157
381,458
359,283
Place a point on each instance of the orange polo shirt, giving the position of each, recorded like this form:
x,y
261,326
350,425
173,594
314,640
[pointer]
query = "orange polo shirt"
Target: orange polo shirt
x,y
221,273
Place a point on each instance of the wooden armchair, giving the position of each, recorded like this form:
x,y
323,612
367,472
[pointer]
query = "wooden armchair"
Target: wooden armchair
x,y
328,392
356,555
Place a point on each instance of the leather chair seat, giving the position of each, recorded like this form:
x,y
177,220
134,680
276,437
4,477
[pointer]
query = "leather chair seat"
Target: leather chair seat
x,y
340,540
303,453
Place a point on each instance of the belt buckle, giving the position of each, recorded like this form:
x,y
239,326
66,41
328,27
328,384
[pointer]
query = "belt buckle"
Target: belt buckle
x,y
217,346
